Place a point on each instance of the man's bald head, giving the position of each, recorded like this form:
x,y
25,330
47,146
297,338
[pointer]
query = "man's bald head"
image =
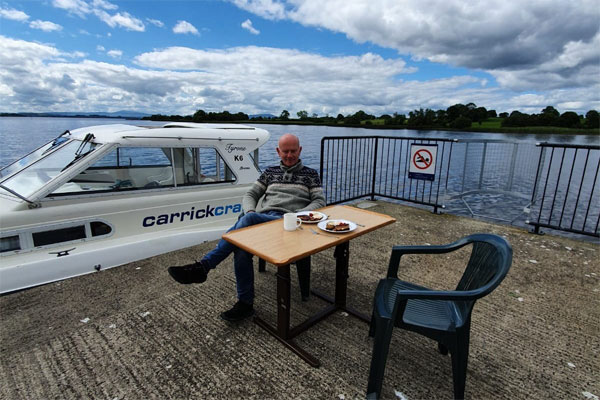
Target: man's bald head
x,y
289,149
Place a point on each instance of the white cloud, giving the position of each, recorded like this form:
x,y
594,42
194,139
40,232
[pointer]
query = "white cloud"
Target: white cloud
x,y
268,9
123,20
180,80
77,7
98,8
115,53
185,27
45,26
507,38
156,22
247,24
13,14
104,4
100,48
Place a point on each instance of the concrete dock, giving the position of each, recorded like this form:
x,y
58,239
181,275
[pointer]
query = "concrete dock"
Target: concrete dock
x,y
133,333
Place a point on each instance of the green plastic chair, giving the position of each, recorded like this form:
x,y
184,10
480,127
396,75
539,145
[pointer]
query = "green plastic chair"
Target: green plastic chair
x,y
444,316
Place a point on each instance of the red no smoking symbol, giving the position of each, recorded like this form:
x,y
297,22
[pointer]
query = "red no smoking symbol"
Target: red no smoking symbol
x,y
422,159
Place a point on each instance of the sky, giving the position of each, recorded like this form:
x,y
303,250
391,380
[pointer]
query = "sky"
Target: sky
x,y
325,57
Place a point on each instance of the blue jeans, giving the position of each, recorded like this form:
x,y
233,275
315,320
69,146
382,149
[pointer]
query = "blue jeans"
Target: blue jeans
x,y
242,260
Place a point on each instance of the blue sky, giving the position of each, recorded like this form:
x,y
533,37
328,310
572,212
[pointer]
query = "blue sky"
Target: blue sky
x,y
325,57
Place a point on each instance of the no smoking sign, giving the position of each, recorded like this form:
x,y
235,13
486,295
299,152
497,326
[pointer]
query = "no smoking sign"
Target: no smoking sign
x,y
422,161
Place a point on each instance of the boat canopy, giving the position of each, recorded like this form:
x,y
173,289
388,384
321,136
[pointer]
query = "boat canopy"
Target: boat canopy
x,y
106,159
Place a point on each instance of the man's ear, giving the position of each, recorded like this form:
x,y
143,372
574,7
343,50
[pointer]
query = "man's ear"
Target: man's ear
x,y
299,150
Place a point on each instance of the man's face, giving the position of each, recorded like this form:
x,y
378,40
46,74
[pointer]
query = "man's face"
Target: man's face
x,y
289,150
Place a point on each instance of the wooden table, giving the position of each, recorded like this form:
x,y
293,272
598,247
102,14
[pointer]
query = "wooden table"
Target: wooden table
x,y
273,244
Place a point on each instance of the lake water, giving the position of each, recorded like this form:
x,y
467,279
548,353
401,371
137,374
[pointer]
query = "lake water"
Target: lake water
x,y
20,135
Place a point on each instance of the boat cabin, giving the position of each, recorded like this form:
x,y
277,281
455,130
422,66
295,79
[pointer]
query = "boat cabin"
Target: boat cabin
x,y
111,194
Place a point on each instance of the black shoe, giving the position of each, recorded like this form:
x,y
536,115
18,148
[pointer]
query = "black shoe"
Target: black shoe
x,y
191,273
238,312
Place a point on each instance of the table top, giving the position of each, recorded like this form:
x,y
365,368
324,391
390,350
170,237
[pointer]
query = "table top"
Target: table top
x,y
279,247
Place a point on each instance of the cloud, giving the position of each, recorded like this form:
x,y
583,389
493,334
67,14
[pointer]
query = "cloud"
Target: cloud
x,y
99,8
123,20
180,80
185,27
20,16
45,26
247,24
268,9
508,39
13,14
77,7
115,53
155,22
104,4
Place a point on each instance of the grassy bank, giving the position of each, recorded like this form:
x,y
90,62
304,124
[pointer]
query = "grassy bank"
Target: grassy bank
x,y
492,125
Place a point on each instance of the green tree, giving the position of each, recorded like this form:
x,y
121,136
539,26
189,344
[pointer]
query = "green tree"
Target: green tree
x,y
302,114
551,111
285,115
592,119
461,122
199,116
569,119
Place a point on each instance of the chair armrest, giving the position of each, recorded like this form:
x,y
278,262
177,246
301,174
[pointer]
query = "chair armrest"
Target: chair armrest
x,y
452,295
399,251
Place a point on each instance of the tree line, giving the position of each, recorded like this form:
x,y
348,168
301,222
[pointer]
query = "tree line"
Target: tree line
x,y
457,116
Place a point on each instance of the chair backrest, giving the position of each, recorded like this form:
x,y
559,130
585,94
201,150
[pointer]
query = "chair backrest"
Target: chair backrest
x,y
489,263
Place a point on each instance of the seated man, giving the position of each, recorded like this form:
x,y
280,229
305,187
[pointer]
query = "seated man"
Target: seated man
x,y
288,187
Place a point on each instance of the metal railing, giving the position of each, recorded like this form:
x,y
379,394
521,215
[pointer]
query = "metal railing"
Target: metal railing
x,y
369,166
566,195
544,185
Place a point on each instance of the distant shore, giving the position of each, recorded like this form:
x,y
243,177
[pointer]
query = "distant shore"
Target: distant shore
x,y
474,128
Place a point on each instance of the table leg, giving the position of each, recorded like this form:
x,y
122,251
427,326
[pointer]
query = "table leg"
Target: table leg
x,y
282,332
342,261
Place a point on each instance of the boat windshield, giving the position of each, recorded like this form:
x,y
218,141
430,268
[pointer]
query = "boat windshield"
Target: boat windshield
x,y
31,178
31,157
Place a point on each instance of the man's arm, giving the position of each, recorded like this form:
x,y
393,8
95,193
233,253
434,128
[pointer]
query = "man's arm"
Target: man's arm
x,y
250,199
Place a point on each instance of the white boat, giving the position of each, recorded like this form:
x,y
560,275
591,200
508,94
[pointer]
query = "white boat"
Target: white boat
x,y
107,195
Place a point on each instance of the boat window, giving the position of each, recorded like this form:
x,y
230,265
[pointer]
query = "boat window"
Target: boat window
x,y
100,228
125,168
31,157
33,177
10,243
58,235
200,165
130,168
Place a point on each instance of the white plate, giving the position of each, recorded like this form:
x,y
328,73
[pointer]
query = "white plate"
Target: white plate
x,y
315,213
323,224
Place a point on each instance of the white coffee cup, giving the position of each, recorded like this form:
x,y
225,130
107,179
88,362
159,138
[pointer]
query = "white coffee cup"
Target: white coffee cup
x,y
291,222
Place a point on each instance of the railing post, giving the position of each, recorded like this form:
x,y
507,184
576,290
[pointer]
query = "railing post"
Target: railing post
x,y
374,169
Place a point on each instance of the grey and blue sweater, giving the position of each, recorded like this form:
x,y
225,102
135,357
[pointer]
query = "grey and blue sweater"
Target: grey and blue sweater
x,y
285,189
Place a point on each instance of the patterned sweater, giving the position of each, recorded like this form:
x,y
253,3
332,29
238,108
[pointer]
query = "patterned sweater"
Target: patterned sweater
x,y
285,189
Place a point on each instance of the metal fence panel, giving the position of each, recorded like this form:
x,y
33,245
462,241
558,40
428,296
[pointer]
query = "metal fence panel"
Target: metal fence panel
x,y
544,185
567,192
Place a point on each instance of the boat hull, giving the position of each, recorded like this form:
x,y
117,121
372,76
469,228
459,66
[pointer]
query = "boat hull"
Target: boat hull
x,y
154,223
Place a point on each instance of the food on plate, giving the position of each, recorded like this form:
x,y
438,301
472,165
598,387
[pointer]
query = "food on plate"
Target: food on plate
x,y
337,226
310,217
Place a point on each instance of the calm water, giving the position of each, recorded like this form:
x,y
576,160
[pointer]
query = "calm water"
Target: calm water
x,y
20,135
